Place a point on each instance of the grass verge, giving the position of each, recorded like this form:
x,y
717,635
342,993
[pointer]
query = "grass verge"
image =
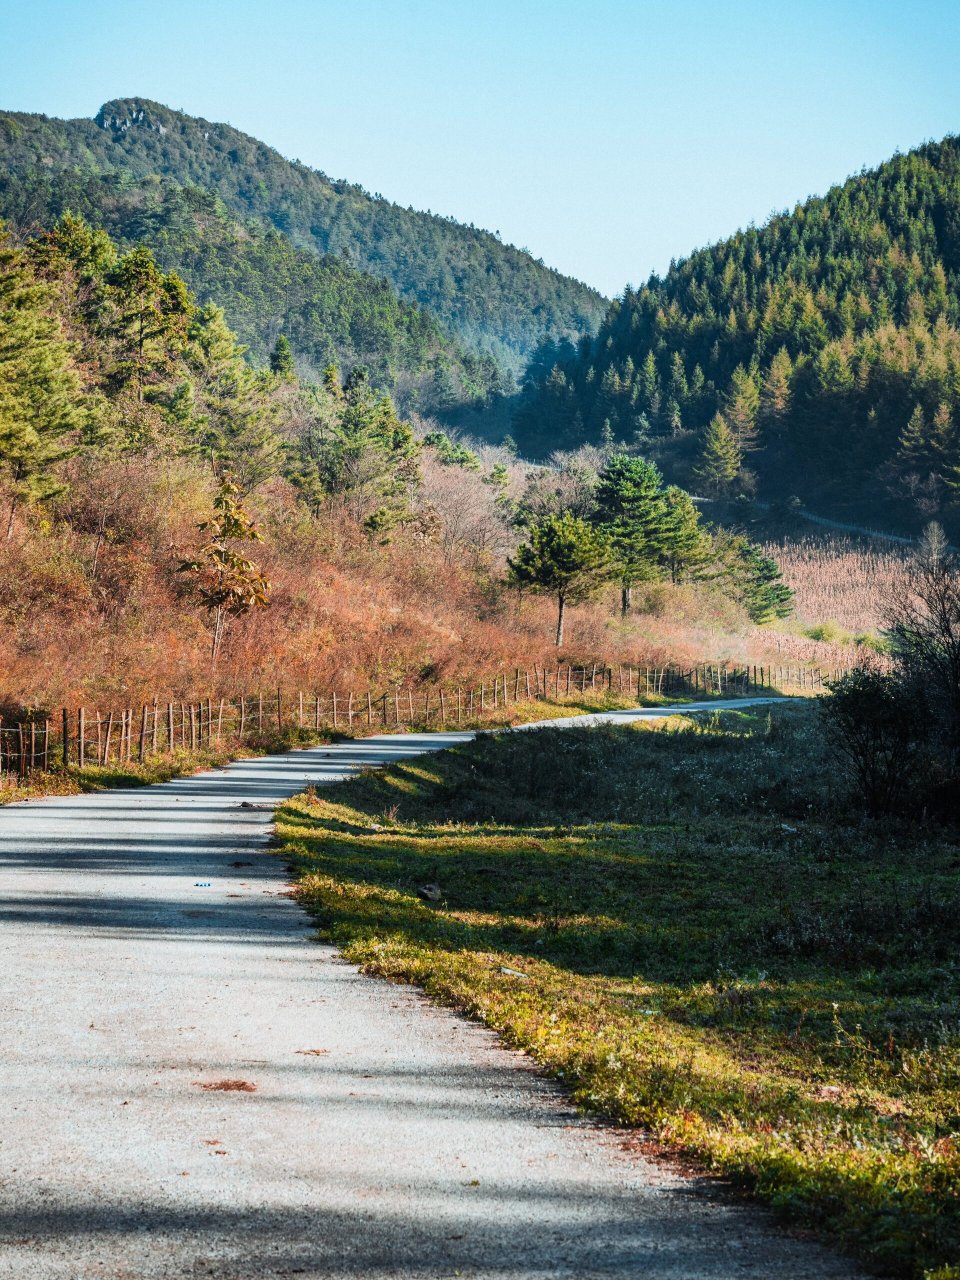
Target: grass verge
x,y
161,768
682,924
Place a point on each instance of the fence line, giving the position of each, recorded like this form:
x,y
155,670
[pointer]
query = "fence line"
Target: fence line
x,y
160,727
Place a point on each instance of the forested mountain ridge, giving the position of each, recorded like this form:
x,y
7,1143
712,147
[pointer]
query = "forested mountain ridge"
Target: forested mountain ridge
x,y
821,349
490,295
329,311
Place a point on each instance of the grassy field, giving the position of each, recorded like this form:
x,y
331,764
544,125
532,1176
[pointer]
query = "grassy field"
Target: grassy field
x,y
683,924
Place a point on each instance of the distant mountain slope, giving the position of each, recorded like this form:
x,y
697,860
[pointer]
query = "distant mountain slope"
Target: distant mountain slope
x,y
828,331
490,295
329,311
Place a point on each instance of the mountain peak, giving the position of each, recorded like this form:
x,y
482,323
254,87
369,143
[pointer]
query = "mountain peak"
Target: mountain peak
x,y
131,113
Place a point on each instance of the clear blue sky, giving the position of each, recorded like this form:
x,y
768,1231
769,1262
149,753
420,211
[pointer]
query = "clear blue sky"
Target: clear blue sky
x,y
607,136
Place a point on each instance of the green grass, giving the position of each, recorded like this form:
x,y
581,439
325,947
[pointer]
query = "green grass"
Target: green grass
x,y
683,925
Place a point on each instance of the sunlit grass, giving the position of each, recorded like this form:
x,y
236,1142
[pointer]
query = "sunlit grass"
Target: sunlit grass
x,y
685,928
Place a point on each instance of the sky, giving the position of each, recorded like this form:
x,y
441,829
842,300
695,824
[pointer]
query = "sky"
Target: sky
x,y
606,136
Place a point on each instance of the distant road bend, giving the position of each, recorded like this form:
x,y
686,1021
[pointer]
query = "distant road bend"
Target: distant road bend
x,y
194,1087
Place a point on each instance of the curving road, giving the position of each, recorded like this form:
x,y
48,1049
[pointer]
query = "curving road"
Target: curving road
x,y
193,1087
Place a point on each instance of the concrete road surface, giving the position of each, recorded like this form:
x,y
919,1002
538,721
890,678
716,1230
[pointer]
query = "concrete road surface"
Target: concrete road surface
x,y
193,1087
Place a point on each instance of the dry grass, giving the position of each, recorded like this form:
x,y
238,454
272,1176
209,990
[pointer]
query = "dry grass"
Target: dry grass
x,y
839,579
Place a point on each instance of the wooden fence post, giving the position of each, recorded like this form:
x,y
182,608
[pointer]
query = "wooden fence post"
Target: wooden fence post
x,y
143,734
279,711
66,738
369,708
243,716
81,735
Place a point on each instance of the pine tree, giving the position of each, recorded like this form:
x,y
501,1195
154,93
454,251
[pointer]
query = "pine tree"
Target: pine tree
x,y
914,444
721,459
233,411
147,328
566,558
742,407
775,394
631,511
281,358
40,392
688,547
355,451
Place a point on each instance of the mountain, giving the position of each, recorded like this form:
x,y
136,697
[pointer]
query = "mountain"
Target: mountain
x,y
329,311
827,339
489,295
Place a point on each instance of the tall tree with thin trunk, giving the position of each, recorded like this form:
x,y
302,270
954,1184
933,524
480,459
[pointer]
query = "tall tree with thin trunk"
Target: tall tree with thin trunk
x,y
566,558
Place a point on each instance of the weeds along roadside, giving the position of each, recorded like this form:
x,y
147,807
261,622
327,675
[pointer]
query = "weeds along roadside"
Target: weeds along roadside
x,y
689,927
74,780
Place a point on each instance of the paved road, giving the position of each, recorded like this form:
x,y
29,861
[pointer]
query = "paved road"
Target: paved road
x,y
149,953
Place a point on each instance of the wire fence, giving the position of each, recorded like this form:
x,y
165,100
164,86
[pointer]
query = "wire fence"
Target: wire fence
x,y
40,742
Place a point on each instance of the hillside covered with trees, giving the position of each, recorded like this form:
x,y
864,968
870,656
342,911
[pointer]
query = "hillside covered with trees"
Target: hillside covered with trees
x,y
492,297
328,310
816,356
173,517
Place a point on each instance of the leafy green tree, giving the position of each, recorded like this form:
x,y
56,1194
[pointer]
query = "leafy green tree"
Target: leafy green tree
x,y
721,459
40,391
631,511
226,583
565,557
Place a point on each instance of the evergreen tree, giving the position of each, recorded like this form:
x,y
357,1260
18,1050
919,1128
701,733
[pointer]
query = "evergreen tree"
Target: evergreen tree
x,y
233,411
40,392
760,584
775,394
721,459
742,407
688,547
356,452
281,358
914,444
147,328
631,511
565,557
